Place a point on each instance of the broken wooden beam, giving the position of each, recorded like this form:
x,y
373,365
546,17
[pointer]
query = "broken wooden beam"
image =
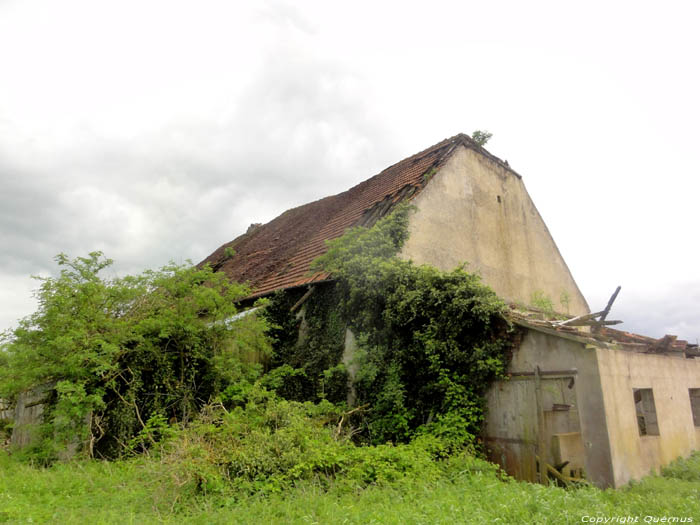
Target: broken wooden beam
x,y
541,440
606,311
580,318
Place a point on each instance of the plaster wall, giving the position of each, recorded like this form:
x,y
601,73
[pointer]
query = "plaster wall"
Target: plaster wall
x,y
511,412
473,210
621,371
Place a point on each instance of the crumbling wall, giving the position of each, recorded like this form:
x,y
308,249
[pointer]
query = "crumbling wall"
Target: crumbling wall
x,y
28,415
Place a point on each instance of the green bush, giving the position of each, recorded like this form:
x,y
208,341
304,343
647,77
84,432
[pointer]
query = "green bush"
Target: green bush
x,y
121,351
271,444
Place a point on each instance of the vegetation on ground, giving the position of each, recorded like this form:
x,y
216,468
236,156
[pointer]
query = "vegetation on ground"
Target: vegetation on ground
x,y
467,490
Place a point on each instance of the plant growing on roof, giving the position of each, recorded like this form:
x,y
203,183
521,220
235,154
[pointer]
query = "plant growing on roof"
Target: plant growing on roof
x,y
540,300
481,137
429,174
565,300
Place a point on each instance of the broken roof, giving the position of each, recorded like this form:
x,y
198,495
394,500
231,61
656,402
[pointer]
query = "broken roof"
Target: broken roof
x,y
278,255
604,337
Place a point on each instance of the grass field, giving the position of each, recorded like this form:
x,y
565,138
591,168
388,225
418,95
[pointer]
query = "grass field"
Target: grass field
x,y
139,491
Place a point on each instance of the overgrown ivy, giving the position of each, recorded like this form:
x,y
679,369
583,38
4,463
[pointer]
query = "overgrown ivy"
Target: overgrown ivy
x,y
429,343
308,345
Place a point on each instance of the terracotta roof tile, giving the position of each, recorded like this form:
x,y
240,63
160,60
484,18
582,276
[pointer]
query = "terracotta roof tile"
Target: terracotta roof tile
x,y
278,254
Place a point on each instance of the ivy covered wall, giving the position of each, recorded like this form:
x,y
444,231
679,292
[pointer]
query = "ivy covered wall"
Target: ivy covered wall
x,y
429,343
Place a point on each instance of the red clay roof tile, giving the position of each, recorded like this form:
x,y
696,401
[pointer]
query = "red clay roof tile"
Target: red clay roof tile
x,y
278,254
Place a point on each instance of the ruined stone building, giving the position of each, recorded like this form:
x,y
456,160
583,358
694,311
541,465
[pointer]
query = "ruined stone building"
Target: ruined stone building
x,y
581,397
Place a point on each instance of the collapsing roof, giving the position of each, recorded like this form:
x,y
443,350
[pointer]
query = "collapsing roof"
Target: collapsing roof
x,y
603,336
278,255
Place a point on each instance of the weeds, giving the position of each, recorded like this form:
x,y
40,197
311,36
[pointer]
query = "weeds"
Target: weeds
x,y
465,490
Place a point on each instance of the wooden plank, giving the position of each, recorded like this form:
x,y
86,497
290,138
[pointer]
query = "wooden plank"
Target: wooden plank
x,y
302,300
562,373
606,311
591,322
516,441
541,442
574,320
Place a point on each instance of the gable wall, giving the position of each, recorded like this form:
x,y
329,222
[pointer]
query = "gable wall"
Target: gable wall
x,y
460,219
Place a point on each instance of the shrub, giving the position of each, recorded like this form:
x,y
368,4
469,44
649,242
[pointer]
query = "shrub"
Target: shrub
x,y
271,444
121,351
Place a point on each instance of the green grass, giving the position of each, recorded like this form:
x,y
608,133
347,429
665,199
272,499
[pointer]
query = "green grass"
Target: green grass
x,y
140,491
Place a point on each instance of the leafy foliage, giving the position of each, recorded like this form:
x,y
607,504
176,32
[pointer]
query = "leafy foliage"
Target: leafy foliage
x,y
687,469
308,345
430,342
270,444
540,300
120,351
481,137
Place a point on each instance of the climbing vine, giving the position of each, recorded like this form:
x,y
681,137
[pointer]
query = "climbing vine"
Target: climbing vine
x,y
429,343
308,345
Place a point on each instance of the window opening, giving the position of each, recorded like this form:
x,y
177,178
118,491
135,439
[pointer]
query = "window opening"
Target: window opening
x,y
695,405
646,412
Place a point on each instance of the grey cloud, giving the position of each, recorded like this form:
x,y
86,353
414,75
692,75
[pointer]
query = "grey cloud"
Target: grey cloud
x,y
672,310
300,132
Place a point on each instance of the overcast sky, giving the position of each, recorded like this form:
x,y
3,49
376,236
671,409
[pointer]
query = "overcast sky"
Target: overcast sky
x,y
158,130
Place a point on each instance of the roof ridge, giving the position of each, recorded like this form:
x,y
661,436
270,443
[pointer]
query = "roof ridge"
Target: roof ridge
x,y
278,254
423,153
469,142
450,143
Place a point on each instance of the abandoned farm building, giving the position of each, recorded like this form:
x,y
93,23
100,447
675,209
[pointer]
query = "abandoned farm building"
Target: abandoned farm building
x,y
581,397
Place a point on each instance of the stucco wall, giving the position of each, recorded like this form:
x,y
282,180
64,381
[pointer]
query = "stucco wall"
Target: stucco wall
x,y
634,456
475,211
511,404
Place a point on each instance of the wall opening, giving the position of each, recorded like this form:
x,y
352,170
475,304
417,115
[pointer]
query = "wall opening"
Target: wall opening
x,y
646,412
695,405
